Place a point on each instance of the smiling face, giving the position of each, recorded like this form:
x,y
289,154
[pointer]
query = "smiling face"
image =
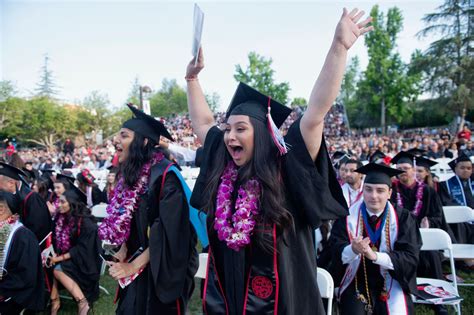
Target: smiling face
x,y
64,206
122,143
239,138
376,196
59,189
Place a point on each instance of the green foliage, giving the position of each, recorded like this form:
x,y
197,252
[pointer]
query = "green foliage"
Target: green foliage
x,y
299,101
347,94
259,75
387,83
214,101
170,99
46,87
7,90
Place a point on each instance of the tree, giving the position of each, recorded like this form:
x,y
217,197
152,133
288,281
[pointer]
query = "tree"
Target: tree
x,y
349,82
170,99
46,86
299,101
387,86
97,104
7,90
259,75
134,95
447,64
214,101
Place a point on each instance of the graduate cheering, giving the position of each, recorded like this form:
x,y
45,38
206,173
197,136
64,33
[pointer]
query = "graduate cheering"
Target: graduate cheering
x,y
148,217
77,262
379,245
265,194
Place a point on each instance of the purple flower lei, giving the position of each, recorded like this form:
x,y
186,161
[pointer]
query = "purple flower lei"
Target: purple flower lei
x,y
62,232
419,198
236,229
115,228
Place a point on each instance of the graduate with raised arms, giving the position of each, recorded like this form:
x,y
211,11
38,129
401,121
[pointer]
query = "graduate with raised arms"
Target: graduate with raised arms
x,y
265,194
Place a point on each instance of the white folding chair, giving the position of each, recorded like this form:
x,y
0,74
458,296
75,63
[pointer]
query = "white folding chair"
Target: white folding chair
x,y
326,287
99,211
437,239
201,272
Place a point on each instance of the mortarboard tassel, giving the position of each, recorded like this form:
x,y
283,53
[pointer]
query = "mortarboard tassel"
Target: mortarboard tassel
x,y
275,133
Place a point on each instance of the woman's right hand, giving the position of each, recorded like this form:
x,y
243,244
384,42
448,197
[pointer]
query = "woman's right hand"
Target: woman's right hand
x,y
193,68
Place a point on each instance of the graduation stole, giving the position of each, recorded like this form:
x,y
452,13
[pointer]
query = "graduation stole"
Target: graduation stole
x,y
262,285
395,300
456,191
347,194
6,234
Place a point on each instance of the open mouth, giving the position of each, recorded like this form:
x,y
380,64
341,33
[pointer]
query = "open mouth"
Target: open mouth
x,y
235,151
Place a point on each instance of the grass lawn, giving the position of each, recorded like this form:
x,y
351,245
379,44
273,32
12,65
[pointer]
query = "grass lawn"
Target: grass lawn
x,y
105,306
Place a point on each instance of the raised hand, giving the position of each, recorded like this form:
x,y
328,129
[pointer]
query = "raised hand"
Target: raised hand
x,y
194,68
349,28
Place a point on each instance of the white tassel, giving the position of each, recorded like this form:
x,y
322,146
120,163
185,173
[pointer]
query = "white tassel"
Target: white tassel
x,y
275,133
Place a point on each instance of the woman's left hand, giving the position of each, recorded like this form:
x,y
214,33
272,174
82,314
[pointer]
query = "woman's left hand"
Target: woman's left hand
x,y
348,29
121,270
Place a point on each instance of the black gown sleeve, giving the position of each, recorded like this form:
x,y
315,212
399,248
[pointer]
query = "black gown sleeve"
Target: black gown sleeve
x,y
336,244
312,185
24,281
37,219
405,254
444,195
172,242
214,142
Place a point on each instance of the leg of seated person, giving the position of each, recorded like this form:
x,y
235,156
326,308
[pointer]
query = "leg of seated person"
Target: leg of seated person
x,y
74,289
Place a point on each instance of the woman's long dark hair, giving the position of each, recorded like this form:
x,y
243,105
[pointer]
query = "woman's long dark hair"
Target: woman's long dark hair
x,y
138,155
77,210
265,166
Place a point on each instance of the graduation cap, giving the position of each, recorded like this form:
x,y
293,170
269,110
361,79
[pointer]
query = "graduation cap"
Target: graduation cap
x,y
250,102
47,172
66,177
425,162
403,157
378,173
377,155
417,152
85,177
461,158
75,193
11,172
113,169
337,155
146,125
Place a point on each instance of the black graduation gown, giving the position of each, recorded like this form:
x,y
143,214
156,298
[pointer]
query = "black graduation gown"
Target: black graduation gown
x,y
312,195
404,258
463,232
97,196
173,254
430,261
24,281
167,282
34,213
85,263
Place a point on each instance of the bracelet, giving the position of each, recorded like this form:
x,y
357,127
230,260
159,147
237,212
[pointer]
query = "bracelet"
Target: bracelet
x,y
191,78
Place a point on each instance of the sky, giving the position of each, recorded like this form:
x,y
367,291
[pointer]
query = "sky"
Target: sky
x,y
104,45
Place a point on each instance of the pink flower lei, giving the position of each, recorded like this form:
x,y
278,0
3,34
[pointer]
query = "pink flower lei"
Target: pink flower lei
x,y
236,229
115,228
64,224
419,198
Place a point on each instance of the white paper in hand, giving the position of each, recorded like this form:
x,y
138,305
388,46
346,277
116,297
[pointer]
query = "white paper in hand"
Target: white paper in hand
x,y
198,22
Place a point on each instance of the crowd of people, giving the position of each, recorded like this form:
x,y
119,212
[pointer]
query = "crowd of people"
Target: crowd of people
x,y
266,185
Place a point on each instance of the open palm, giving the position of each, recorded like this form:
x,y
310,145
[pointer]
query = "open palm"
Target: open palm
x,y
348,29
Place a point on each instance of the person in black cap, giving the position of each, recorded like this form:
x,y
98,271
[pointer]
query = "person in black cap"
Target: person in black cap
x,y
149,219
459,190
425,205
30,172
62,183
423,172
76,262
377,157
86,183
21,280
49,176
108,190
33,212
265,194
377,246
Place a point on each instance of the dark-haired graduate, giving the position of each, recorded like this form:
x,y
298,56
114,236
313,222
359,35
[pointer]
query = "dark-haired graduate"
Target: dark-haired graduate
x,y
378,244
77,246
265,198
148,217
